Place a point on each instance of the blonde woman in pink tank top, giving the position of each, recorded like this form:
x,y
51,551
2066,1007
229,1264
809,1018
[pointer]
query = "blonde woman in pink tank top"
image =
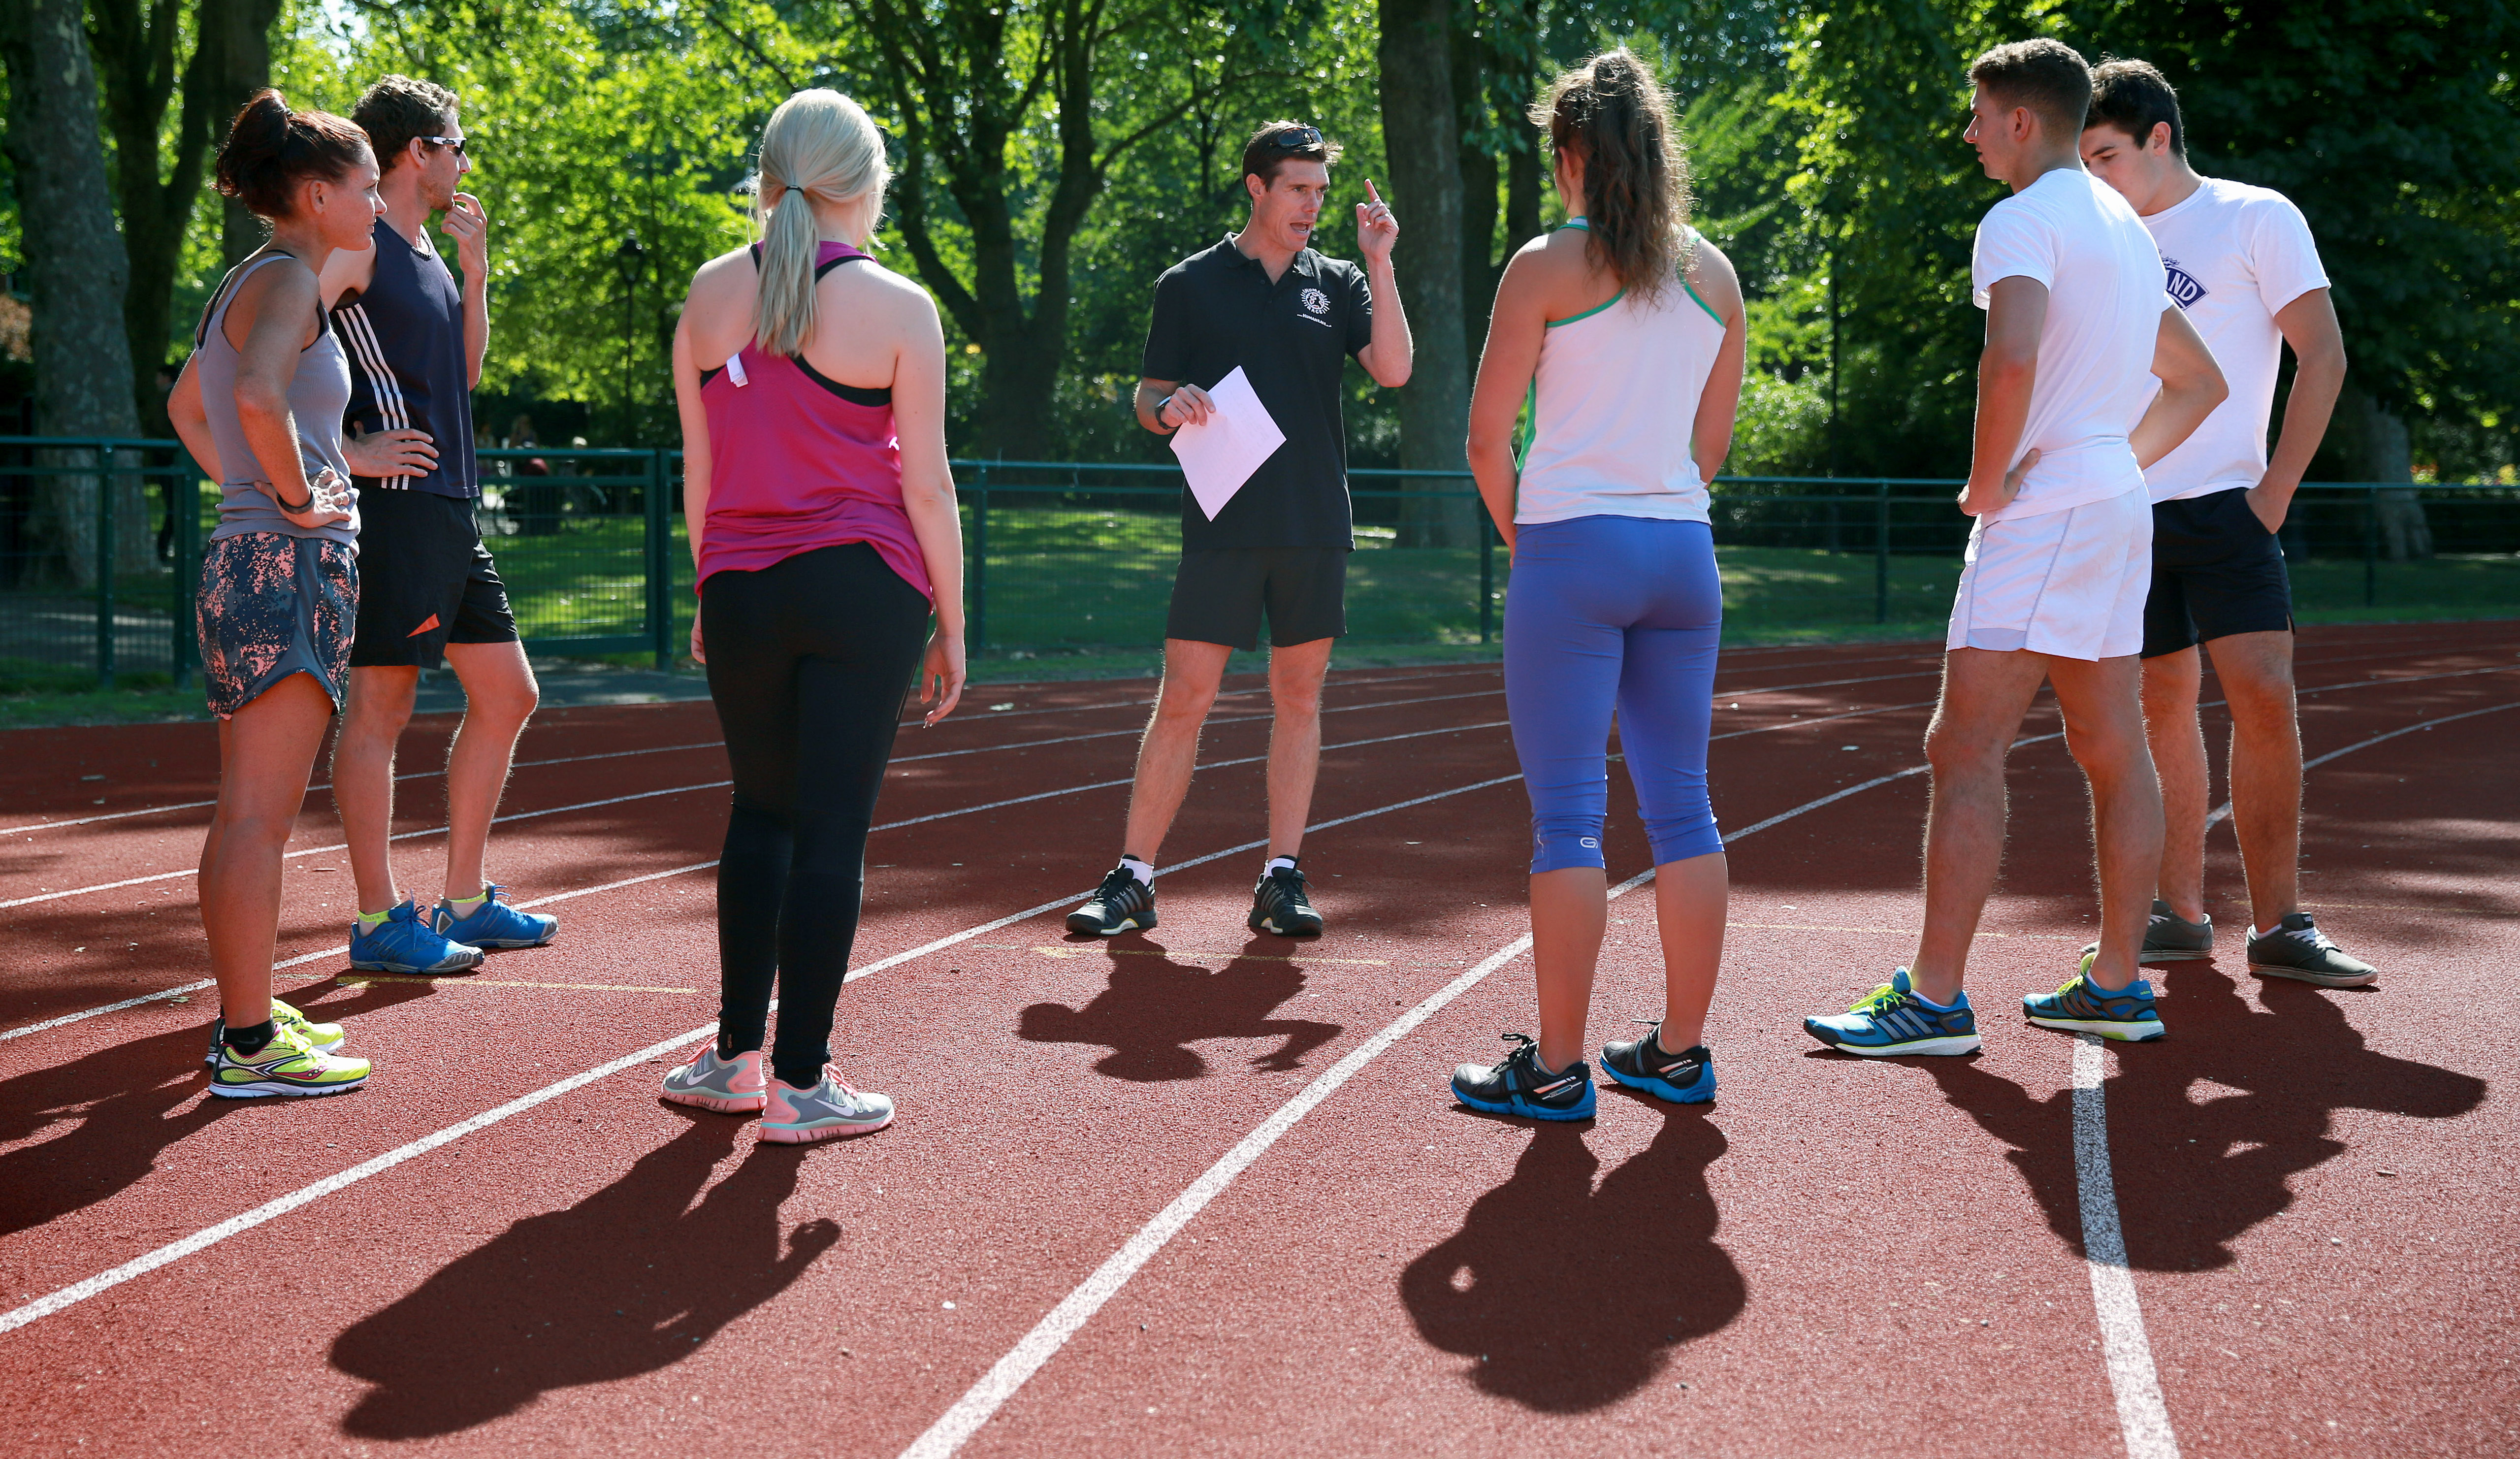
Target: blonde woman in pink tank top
x,y
811,382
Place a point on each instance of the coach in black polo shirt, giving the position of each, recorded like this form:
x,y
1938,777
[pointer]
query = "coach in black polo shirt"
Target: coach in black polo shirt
x,y
1262,300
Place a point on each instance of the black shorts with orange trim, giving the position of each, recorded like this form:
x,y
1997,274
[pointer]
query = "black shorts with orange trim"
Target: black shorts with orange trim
x,y
426,579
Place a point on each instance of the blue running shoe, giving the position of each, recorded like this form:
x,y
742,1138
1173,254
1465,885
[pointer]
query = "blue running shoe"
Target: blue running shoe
x,y
1687,1077
1892,1021
2128,1015
404,943
493,924
1518,1085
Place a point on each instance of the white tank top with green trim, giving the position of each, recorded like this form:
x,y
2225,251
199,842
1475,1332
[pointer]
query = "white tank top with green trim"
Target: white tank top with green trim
x,y
1613,406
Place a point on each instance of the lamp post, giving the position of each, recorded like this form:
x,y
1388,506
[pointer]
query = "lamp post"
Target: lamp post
x,y
628,258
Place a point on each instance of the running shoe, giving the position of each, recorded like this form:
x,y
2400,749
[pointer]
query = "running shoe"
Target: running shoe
x,y
827,1110
323,1038
405,943
1687,1077
1892,1021
1122,903
286,1066
2298,949
2128,1015
493,924
1519,1086
1278,905
730,1087
2169,937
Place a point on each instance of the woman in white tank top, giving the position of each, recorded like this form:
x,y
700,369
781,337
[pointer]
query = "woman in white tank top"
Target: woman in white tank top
x,y
1622,333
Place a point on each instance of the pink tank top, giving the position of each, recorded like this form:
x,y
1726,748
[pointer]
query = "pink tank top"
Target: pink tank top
x,y
798,461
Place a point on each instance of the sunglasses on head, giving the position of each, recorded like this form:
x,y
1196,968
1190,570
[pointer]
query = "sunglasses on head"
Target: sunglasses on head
x,y
1295,138
456,144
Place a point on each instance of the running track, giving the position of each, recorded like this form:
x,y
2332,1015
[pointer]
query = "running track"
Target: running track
x,y
1203,1192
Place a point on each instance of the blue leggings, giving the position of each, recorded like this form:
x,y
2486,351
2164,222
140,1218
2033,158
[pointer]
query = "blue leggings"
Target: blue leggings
x,y
1603,613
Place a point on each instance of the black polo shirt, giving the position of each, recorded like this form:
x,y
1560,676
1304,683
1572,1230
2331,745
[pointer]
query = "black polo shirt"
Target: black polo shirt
x,y
1216,310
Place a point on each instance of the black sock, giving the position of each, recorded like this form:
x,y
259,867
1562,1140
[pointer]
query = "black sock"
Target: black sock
x,y
802,1076
253,1040
727,1052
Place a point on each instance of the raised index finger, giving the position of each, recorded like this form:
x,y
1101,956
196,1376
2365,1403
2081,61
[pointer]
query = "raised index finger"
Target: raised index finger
x,y
1370,196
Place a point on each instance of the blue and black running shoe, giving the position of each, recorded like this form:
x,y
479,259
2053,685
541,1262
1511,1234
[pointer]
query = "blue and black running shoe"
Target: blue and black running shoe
x,y
1892,1021
1122,903
494,923
405,943
2128,1015
1687,1077
1519,1086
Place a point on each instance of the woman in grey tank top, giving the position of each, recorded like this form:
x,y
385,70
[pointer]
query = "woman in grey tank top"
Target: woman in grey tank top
x,y
259,406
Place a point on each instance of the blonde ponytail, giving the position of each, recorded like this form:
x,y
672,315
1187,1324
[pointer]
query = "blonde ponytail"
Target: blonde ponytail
x,y
819,144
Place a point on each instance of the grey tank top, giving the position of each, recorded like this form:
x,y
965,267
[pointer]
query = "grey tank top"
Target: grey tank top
x,y
317,396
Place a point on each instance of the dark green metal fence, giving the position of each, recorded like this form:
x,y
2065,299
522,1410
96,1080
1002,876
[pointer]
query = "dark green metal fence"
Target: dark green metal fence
x,y
99,546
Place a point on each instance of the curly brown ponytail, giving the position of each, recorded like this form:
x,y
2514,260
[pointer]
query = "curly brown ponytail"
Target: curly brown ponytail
x,y
271,149
1612,111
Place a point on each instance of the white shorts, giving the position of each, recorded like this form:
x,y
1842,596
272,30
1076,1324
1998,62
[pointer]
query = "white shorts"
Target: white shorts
x,y
2070,583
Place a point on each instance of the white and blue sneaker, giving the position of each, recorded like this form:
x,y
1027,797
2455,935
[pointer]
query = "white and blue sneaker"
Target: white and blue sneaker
x,y
493,924
2128,1015
404,943
1519,1086
1687,1077
1893,1021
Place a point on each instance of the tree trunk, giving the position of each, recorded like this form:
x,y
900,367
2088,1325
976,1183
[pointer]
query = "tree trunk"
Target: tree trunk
x,y
2376,449
1480,176
76,270
236,42
1421,134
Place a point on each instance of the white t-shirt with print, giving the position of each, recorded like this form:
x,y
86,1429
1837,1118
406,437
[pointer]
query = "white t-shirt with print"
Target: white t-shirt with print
x,y
2073,233
2236,255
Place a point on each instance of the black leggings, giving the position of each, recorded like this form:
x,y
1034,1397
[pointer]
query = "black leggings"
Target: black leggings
x,y
808,660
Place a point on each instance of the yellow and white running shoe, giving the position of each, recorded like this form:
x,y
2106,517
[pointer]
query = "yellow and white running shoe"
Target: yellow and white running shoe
x,y
288,1065
324,1038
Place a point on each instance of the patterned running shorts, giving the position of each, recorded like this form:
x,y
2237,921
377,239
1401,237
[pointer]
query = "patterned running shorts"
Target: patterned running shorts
x,y
272,606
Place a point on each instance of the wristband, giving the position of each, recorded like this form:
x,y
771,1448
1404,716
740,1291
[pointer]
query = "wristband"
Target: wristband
x,y
285,507
1159,413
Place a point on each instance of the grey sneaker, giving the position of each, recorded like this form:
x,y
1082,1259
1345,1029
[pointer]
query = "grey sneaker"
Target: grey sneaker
x,y
730,1087
2298,949
828,1110
2170,938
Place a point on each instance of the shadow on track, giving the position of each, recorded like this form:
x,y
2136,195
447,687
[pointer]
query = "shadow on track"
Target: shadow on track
x,y
1156,1008
2196,1166
630,1280
1566,1296
127,1104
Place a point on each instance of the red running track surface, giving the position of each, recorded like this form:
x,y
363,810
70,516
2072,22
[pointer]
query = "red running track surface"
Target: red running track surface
x,y
1839,1256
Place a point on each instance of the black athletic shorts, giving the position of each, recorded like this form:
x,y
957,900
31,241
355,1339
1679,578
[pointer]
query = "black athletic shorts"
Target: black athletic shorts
x,y
2215,572
424,581
1219,594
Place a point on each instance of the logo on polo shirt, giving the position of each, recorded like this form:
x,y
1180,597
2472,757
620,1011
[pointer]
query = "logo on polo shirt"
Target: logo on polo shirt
x,y
2183,288
1317,301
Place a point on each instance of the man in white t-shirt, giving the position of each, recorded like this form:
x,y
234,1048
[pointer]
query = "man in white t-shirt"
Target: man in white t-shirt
x,y
2081,343
2242,265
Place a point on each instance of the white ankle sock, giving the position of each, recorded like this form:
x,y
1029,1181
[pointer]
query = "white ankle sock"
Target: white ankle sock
x,y
1276,862
1144,873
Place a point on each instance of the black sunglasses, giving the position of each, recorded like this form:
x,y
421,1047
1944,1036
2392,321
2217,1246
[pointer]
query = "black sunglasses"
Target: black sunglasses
x,y
457,143
1295,138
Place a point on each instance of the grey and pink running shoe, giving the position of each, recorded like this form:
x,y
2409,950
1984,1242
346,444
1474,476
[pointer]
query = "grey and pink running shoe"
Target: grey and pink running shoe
x,y
827,1110
730,1087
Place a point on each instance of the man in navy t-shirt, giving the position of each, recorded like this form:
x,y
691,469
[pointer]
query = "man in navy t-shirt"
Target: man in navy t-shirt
x,y
1262,302
427,586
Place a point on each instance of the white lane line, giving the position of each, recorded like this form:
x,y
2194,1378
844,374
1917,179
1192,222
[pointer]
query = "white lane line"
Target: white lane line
x,y
1038,1346
2143,1416
193,987
2225,809
981,691
176,1251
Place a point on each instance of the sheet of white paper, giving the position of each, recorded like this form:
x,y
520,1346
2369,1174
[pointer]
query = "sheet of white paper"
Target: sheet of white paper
x,y
1221,455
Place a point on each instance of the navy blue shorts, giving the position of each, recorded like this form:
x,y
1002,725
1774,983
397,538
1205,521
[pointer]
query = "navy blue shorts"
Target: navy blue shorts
x,y
2215,572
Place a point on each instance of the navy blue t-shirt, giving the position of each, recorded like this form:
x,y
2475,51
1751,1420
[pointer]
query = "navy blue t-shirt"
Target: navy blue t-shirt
x,y
409,370
1217,310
